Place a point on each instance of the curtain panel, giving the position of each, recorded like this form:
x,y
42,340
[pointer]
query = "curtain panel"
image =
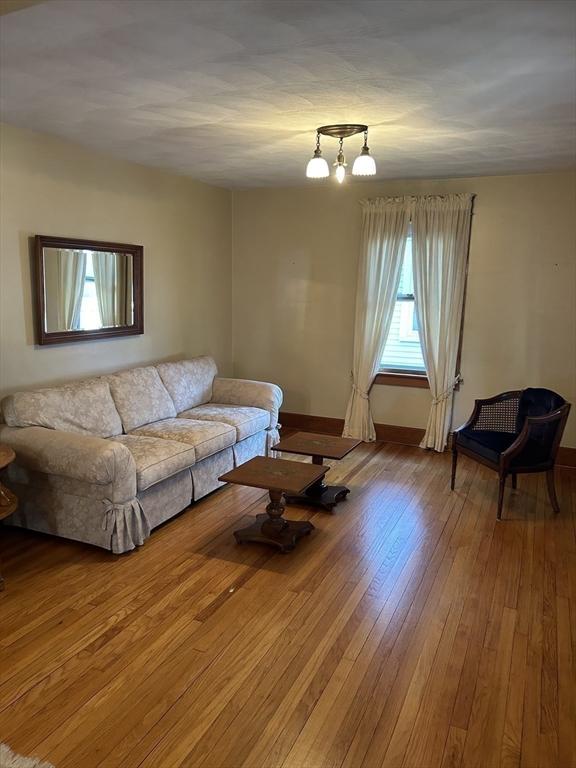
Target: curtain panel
x,y
113,281
440,238
71,267
385,225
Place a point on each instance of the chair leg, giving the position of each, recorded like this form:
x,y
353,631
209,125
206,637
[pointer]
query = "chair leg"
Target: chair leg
x,y
454,462
514,479
501,495
552,491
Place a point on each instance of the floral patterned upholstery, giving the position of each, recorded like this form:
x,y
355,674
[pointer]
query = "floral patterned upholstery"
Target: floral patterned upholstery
x,y
189,382
83,458
156,459
205,474
207,437
246,449
259,394
245,419
84,407
140,397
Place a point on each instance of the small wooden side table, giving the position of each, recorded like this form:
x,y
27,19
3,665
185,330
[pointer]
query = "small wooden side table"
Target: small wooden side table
x,y
320,447
8,501
276,476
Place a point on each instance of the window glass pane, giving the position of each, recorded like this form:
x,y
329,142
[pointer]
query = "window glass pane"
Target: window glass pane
x,y
406,287
89,311
403,351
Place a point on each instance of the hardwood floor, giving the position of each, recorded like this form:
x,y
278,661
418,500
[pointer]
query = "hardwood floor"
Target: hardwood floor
x,y
410,629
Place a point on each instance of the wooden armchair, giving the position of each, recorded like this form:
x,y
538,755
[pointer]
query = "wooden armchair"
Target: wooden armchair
x,y
513,433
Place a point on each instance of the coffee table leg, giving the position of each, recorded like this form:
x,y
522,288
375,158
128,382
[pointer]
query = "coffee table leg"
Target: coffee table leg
x,y
274,529
274,524
319,494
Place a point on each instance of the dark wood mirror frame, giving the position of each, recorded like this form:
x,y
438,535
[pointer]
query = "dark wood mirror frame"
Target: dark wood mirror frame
x,y
64,337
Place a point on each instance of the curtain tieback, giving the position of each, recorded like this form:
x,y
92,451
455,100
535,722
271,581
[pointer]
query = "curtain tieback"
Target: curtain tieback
x,y
359,392
447,392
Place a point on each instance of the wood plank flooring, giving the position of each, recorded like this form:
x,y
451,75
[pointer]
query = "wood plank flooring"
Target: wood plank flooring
x,y
410,630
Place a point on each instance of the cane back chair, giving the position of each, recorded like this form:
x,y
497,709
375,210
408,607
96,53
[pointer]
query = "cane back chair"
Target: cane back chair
x,y
514,433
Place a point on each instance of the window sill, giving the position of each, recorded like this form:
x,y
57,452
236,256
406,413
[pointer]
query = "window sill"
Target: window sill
x,y
392,379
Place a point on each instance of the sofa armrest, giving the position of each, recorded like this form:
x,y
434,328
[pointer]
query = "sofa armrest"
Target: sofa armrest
x,y
84,458
259,394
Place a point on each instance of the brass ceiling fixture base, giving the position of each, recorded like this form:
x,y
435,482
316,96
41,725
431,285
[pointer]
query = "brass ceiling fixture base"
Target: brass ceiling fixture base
x,y
342,131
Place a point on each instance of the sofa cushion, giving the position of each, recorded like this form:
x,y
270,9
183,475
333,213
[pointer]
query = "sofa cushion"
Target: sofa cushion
x,y
207,437
189,381
140,397
84,407
245,419
156,459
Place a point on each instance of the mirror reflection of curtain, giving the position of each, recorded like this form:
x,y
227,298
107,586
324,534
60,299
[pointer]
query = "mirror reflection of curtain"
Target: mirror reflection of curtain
x,y
113,281
71,271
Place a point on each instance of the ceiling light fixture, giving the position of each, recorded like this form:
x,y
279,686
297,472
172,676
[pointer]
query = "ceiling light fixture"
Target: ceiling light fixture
x,y
364,164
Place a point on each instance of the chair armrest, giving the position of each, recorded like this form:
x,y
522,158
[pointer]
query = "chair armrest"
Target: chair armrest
x,y
259,394
517,446
496,406
78,457
530,422
472,418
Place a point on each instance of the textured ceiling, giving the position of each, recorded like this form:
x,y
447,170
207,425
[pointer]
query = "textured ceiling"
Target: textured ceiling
x,y
231,91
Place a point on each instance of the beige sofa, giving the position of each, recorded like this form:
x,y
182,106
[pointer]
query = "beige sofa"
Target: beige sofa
x,y
106,460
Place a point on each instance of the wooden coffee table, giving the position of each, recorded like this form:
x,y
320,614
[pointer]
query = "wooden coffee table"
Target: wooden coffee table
x,y
276,476
8,501
320,447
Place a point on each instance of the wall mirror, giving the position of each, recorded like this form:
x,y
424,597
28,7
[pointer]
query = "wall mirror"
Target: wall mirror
x,y
87,289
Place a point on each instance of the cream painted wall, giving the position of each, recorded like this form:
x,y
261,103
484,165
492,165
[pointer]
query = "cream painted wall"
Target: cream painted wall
x,y
52,187
295,260
291,279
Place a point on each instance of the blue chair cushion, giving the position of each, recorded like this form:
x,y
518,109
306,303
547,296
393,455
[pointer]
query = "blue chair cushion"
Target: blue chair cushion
x,y
490,445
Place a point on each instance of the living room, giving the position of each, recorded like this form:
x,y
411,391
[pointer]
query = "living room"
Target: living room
x,y
172,624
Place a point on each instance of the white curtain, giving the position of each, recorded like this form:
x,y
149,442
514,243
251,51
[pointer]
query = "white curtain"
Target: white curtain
x,y
113,282
71,266
440,235
385,223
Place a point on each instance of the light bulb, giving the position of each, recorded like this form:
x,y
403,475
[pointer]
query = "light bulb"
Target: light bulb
x,y
340,163
317,168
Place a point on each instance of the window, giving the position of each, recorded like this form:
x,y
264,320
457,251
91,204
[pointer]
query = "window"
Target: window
x,y
403,353
89,312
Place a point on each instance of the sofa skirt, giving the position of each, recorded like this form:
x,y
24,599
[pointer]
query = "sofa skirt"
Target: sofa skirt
x,y
167,498
116,527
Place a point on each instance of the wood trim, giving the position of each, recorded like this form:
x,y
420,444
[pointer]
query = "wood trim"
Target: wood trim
x,y
392,433
387,433
417,380
9,6
323,424
566,457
